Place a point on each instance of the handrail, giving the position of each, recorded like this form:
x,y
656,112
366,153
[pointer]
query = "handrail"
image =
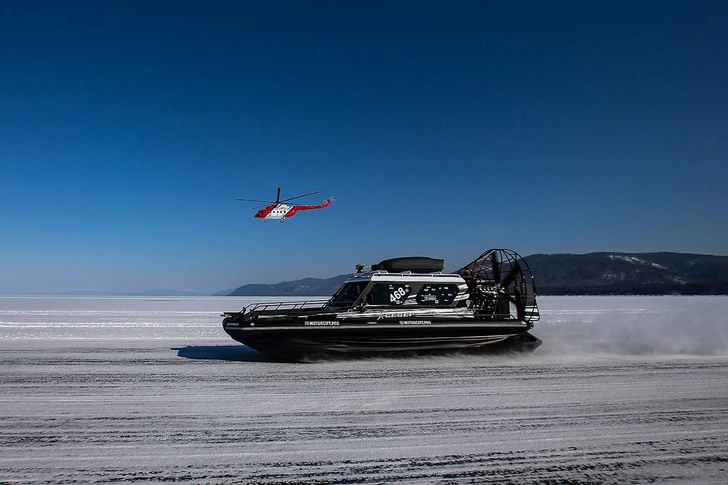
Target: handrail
x,y
287,306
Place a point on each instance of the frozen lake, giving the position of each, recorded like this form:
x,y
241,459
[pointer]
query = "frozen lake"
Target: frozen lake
x,y
624,390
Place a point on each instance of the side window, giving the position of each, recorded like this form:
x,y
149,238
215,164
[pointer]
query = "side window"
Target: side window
x,y
379,295
437,294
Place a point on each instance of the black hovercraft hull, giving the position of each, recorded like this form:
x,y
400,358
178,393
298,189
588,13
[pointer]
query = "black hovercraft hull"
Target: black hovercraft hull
x,y
310,343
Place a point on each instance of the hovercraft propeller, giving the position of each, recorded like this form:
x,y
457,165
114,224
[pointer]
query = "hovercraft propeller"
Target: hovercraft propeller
x,y
496,280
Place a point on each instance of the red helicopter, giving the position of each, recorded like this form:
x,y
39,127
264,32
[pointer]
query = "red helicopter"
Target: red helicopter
x,y
280,209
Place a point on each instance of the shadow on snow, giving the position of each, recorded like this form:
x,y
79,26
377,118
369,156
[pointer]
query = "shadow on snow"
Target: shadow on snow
x,y
234,353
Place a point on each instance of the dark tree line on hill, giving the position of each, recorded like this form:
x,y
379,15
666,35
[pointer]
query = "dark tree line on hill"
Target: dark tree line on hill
x,y
630,274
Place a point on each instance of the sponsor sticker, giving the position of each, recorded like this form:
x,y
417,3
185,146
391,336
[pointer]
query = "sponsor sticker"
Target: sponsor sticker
x,y
398,315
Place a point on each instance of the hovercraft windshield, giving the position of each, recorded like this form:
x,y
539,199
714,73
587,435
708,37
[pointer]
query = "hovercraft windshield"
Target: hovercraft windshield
x,y
346,296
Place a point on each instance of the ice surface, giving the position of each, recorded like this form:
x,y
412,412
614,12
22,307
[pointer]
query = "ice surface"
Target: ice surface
x,y
623,390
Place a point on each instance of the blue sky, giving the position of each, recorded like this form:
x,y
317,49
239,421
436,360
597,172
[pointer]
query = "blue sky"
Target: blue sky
x,y
128,129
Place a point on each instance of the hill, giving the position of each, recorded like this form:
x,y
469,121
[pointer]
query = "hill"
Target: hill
x,y
576,274
304,287
630,274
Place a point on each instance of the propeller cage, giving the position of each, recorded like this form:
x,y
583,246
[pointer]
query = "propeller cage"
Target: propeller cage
x,y
501,286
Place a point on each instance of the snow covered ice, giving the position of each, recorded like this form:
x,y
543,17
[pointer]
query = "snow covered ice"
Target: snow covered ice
x,y
623,390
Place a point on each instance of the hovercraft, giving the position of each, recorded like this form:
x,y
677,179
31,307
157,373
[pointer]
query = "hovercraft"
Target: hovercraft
x,y
402,306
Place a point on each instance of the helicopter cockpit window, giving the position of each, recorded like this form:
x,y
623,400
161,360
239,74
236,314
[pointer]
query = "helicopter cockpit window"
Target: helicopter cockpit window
x,y
347,294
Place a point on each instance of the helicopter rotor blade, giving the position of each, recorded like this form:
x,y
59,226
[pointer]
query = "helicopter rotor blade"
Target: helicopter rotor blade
x,y
258,200
298,197
278,198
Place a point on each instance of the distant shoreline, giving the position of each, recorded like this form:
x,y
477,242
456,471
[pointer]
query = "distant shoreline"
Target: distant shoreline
x,y
593,274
